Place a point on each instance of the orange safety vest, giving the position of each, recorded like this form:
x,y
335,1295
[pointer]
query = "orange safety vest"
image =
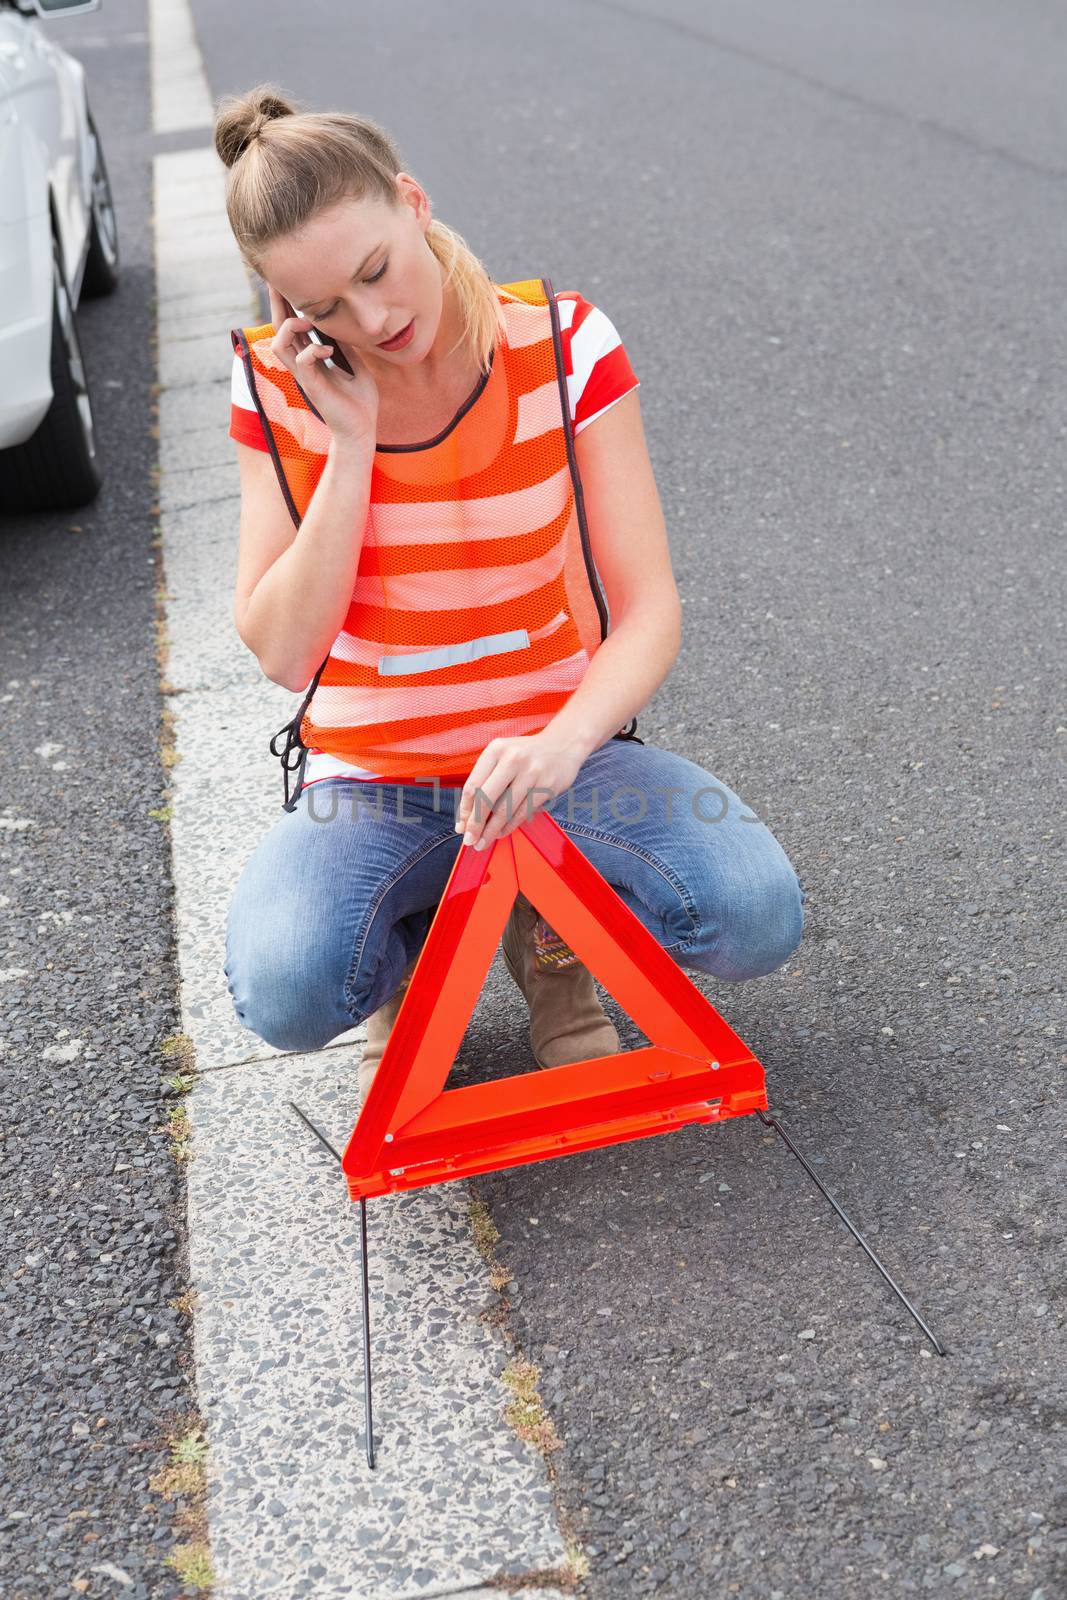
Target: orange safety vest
x,y
477,604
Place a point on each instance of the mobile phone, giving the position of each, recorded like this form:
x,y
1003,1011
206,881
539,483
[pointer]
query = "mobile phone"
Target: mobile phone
x,y
337,357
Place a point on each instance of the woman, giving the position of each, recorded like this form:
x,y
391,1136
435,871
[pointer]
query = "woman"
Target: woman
x,y
424,538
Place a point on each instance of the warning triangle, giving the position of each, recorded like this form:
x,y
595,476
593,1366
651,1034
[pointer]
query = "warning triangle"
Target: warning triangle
x,y
412,1132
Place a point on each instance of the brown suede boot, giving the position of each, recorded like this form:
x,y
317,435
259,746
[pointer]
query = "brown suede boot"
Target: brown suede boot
x,y
567,1021
379,1028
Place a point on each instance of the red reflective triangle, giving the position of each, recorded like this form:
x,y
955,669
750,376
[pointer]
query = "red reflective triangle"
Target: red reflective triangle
x,y
412,1131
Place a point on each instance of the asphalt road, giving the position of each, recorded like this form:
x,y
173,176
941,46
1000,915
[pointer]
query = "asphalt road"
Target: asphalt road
x,y
833,242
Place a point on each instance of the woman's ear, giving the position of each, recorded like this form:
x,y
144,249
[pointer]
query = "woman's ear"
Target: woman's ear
x,y
415,196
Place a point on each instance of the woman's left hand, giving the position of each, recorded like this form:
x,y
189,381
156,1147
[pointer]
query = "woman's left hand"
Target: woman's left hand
x,y
516,776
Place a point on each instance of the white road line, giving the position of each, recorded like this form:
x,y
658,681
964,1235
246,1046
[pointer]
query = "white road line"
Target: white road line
x,y
180,95
456,1498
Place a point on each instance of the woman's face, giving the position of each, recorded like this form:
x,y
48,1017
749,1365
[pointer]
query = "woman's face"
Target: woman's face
x,y
362,270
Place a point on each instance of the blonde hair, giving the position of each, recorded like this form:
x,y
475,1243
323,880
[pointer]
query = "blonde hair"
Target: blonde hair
x,y
287,164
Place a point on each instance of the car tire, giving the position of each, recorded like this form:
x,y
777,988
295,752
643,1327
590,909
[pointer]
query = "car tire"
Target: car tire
x,y
101,273
57,467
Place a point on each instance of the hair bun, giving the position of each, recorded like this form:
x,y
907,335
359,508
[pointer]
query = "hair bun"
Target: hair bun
x,y
240,119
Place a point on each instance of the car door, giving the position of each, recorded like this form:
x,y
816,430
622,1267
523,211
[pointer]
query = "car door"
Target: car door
x,y
12,60
25,249
44,91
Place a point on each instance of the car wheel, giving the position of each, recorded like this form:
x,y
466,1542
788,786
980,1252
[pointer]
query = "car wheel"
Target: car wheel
x,y
57,467
102,261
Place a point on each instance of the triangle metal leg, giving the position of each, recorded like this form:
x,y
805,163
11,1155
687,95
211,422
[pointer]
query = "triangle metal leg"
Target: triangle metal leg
x,y
368,1424
365,1285
773,1123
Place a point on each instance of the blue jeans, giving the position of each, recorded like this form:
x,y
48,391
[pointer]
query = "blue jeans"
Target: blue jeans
x,y
338,896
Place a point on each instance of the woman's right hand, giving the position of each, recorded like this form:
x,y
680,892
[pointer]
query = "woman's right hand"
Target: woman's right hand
x,y
347,404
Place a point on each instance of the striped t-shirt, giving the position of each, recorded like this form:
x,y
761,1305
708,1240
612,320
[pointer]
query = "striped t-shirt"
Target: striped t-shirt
x,y
598,375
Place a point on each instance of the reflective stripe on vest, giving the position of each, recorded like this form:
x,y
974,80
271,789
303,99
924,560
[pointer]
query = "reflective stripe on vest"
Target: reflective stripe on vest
x,y
476,606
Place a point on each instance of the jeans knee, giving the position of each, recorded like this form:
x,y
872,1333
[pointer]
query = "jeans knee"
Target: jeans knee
x,y
269,1001
752,935
284,1030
